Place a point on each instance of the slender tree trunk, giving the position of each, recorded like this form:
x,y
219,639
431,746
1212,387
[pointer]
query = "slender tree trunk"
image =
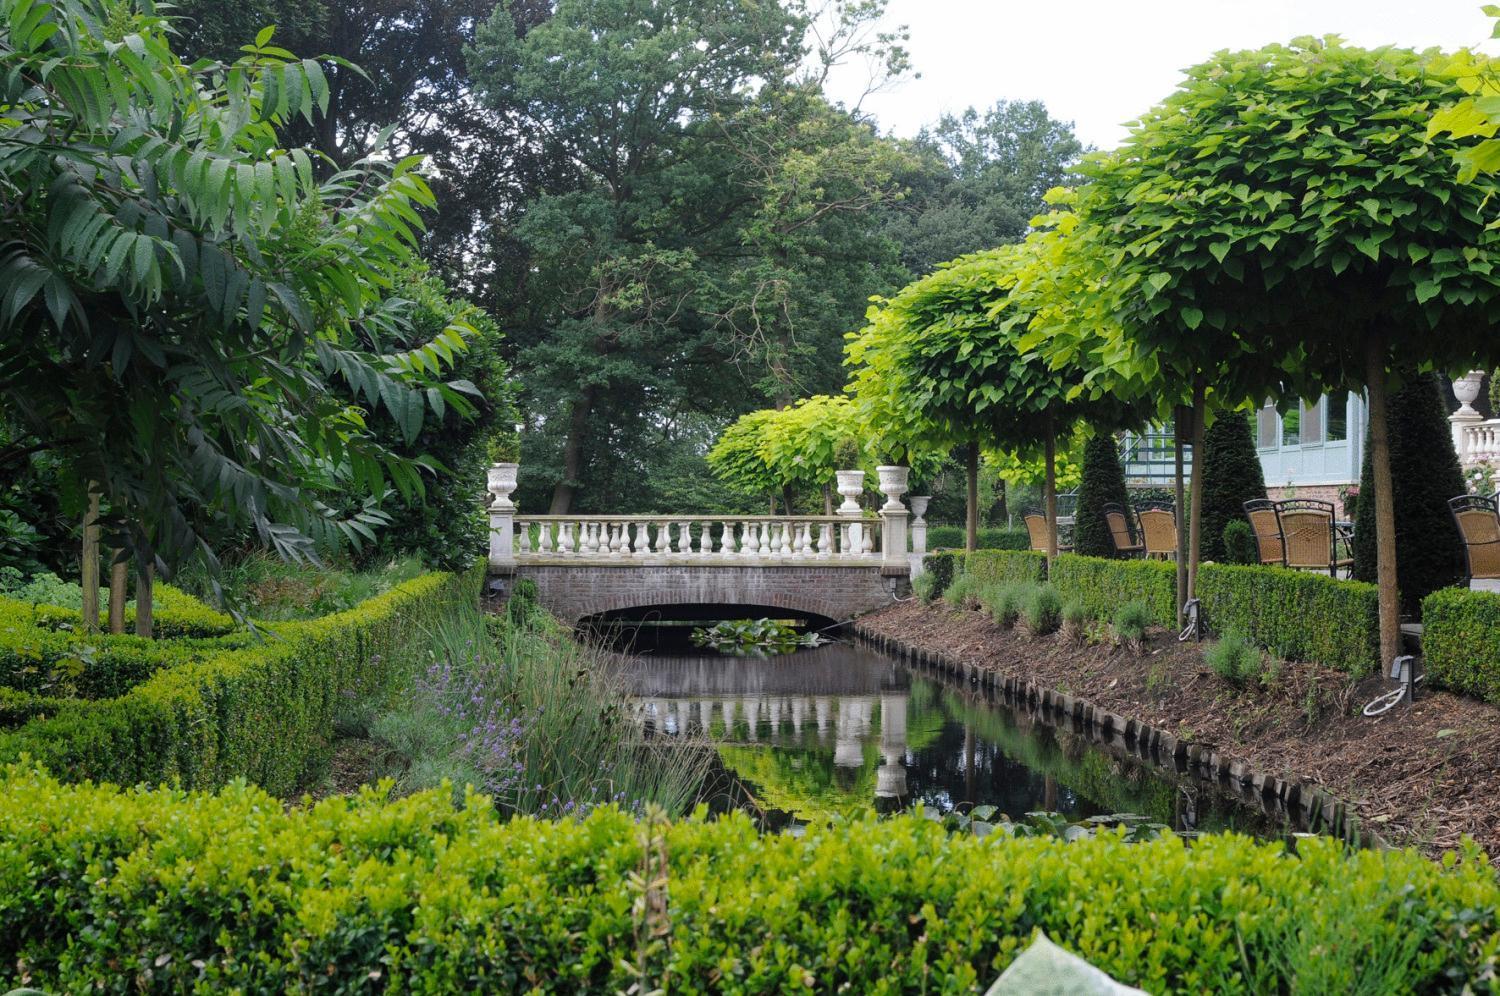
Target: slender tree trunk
x,y
786,497
566,488
1002,506
827,500
771,503
971,508
119,580
1178,430
145,579
1195,501
1049,490
1385,500
88,568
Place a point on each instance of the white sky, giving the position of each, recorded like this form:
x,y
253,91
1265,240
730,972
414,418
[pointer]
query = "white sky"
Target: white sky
x,y
1099,64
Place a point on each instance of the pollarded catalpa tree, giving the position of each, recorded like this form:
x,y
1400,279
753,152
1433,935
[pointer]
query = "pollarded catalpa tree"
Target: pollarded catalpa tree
x,y
192,319
1287,204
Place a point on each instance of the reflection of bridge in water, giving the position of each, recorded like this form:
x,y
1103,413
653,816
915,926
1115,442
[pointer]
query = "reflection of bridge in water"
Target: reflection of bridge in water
x,y
828,697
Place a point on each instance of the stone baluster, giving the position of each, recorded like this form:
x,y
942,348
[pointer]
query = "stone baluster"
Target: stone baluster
x,y
825,541
684,537
1466,390
544,538
640,546
663,538
523,533
706,538
866,538
765,541
565,538
616,537
726,539
750,541
918,533
806,547
786,538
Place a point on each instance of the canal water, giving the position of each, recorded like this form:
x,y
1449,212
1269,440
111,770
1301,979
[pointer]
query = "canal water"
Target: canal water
x,y
843,728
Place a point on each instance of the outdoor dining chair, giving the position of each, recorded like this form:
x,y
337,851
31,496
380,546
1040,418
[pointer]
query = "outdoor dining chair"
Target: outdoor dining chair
x,y
1036,526
1308,534
1478,520
1126,535
1262,515
1158,531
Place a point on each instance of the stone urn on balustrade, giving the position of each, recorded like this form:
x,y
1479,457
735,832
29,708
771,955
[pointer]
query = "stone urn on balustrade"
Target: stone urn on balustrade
x,y
502,482
893,486
851,485
919,508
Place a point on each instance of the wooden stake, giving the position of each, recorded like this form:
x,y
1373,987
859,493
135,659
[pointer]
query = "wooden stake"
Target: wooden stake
x,y
1195,501
1050,491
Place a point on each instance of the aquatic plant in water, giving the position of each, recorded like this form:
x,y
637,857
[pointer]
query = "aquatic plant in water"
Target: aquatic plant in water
x,y
754,636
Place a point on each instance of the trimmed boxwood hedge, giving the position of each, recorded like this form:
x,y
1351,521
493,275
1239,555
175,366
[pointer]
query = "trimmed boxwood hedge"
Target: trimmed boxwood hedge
x,y
990,538
174,614
985,566
1461,641
1297,615
169,891
1102,586
259,710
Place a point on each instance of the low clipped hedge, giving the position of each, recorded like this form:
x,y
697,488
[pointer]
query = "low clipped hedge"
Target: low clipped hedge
x,y
262,709
985,566
1461,641
1102,586
1297,615
174,614
989,538
167,891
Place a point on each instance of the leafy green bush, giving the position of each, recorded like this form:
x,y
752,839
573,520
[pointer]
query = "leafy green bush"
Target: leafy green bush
x,y
1104,585
1042,610
1075,620
1239,543
1005,566
1297,615
990,538
522,606
1003,602
1131,622
1234,658
257,710
175,891
963,593
942,567
1461,641
174,613
924,586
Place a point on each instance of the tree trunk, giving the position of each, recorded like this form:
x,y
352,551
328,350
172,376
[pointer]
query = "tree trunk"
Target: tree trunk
x,y
827,500
88,568
1049,491
1385,501
786,497
1002,506
578,423
971,507
1195,502
1178,428
144,580
119,580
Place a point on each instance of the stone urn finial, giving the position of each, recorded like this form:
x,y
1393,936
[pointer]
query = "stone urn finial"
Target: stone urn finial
x,y
502,481
919,508
1466,390
851,485
893,486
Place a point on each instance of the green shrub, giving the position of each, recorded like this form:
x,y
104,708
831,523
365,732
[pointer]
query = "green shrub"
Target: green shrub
x,y
262,711
1103,483
924,586
1239,543
522,605
963,593
1104,585
174,613
1006,566
1461,641
1297,615
1131,622
1075,620
173,892
1042,610
942,567
1003,602
1232,475
1234,658
990,538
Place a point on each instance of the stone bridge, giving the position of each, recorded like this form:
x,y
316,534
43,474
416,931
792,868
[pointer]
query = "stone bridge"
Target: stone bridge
x,y
827,567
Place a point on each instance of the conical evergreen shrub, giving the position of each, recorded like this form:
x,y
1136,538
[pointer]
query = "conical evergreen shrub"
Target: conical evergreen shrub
x,y
1231,476
1425,474
1103,483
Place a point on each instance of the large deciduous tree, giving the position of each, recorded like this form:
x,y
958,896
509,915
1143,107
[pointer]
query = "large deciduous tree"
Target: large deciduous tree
x,y
1287,204
192,319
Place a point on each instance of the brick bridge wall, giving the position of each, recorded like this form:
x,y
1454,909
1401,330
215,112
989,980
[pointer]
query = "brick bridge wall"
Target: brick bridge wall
x,y
838,593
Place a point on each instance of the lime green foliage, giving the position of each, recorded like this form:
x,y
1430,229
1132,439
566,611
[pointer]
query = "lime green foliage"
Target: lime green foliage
x,y
1476,115
1132,620
1041,610
738,458
432,897
1239,542
267,588
1102,586
1297,615
1461,641
990,538
263,711
1234,658
992,566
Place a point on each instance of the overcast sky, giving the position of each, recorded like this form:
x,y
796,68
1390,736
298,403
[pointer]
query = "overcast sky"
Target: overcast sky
x,y
1099,64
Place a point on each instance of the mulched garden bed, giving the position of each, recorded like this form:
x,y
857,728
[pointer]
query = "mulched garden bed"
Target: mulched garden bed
x,y
1422,775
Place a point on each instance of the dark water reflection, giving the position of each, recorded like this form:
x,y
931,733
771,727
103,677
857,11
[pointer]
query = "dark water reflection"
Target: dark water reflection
x,y
844,727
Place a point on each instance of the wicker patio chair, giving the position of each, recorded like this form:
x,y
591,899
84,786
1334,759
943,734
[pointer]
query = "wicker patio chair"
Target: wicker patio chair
x,y
1262,515
1478,521
1158,531
1308,536
1126,534
1036,526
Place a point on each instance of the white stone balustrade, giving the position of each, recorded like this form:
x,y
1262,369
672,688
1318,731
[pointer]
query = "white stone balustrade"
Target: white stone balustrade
x,y
717,540
1475,438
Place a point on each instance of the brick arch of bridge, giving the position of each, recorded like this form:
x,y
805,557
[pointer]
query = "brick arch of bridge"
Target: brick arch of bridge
x,y
573,593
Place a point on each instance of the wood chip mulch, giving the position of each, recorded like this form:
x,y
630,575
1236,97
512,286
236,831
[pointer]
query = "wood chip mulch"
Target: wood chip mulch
x,y
1422,775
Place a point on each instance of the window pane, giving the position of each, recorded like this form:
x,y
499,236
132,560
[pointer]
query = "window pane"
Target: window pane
x,y
1338,417
1291,423
1312,423
1265,432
